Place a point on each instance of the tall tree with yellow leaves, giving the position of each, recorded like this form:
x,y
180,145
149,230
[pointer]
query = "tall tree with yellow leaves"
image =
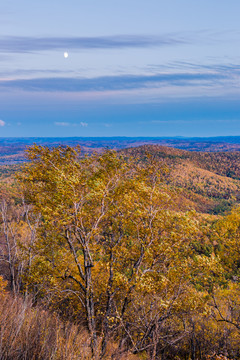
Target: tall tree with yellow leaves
x,y
109,247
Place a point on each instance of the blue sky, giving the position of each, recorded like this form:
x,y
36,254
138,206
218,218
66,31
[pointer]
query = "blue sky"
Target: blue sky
x,y
135,68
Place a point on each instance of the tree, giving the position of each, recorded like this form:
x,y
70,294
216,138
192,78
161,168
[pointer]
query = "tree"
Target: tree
x,y
18,230
226,236
109,247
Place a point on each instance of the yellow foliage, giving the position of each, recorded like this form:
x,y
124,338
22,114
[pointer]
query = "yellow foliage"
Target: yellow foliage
x,y
3,285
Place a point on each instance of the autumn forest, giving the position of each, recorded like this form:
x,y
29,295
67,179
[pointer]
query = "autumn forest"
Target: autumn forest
x,y
128,254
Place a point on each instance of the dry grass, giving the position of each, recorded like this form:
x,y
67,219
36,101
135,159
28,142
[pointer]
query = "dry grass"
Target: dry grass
x,y
28,332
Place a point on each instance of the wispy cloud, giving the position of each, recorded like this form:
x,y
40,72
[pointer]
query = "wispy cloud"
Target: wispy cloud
x,y
113,83
187,66
4,57
33,72
61,123
26,44
83,124
20,44
2,123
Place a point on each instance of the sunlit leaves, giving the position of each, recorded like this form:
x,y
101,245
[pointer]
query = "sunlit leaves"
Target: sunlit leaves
x,y
111,245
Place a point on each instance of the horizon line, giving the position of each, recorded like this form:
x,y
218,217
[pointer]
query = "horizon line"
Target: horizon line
x,y
120,137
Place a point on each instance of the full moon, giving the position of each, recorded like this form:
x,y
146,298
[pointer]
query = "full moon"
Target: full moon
x,y
65,55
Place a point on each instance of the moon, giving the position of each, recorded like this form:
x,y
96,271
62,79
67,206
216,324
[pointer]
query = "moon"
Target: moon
x,y
65,54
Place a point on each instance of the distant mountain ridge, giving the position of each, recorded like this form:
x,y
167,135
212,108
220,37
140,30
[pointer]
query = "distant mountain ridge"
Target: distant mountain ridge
x,y
12,149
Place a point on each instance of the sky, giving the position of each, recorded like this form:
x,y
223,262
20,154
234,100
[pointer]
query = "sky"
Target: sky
x,y
134,68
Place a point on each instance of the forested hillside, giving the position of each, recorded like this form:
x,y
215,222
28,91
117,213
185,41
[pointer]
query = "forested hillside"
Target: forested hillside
x,y
120,255
206,181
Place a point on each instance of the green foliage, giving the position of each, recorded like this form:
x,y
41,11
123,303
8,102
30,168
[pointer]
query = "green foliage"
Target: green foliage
x,y
222,207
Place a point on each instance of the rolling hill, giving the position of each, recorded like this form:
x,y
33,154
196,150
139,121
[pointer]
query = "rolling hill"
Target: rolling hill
x,y
207,182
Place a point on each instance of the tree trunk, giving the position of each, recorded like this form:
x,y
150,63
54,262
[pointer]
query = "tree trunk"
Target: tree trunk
x,y
90,303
